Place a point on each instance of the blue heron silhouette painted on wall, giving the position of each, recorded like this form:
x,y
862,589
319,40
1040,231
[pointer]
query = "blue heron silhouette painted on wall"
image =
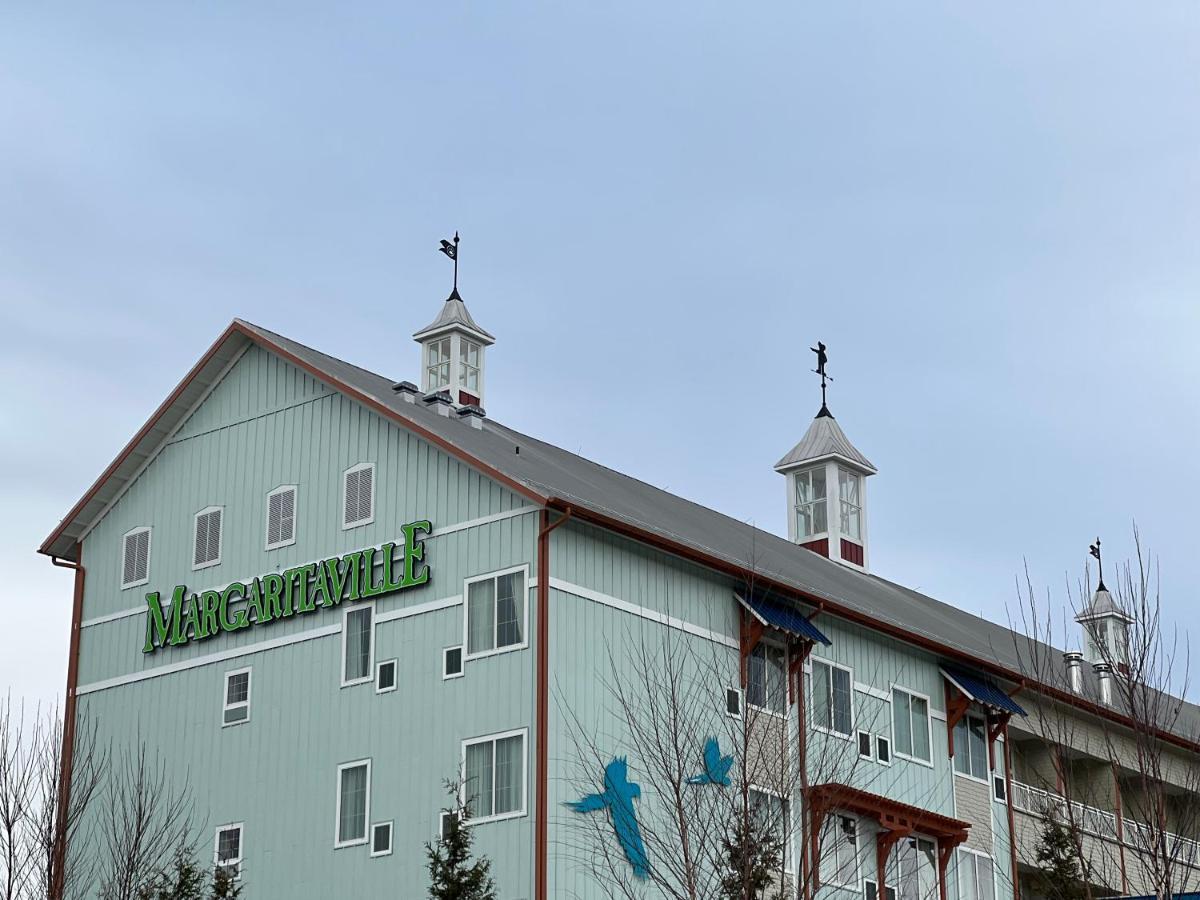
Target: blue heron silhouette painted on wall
x,y
619,794
716,766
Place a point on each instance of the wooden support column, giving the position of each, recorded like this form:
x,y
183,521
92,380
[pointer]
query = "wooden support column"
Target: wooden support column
x,y
996,725
751,634
956,708
884,842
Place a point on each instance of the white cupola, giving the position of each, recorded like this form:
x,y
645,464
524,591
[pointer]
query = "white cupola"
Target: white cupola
x,y
1105,624
826,488
453,347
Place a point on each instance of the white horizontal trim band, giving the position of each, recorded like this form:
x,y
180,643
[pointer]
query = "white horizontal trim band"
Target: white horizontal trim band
x,y
436,533
406,611
875,692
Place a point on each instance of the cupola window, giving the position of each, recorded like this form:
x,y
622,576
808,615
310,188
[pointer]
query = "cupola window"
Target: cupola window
x,y
437,365
468,365
850,494
811,515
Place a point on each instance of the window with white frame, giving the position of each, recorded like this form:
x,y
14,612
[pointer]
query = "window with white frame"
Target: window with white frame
x,y
865,750
970,747
910,725
381,839
207,533
811,514
236,708
227,849
494,776
357,641
916,869
870,891
495,613
135,557
883,749
452,662
766,680
353,803
281,517
850,495
831,709
437,364
385,676
771,816
468,364
733,703
839,850
976,877
358,495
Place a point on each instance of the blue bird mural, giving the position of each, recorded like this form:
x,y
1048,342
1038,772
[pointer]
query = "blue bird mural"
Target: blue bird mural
x,y
619,794
716,766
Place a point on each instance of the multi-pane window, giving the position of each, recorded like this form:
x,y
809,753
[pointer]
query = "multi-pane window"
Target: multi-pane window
x,y
970,747
358,495
831,697
207,538
353,803
910,725
227,849
976,880
916,865
771,817
236,706
468,364
496,613
839,845
437,364
135,558
356,645
850,495
494,775
766,682
281,517
811,515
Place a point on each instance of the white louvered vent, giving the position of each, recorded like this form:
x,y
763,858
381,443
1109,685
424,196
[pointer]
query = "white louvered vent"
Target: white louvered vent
x,y
135,566
208,538
358,508
281,517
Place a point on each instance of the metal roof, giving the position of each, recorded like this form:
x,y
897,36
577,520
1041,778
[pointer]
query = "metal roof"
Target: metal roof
x,y
454,314
825,439
785,618
982,690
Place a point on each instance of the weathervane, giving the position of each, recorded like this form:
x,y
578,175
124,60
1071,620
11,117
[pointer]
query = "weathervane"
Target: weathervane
x,y
451,250
1094,549
822,359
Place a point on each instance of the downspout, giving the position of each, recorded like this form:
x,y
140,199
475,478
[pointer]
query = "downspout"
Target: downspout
x,y
59,855
1012,826
540,819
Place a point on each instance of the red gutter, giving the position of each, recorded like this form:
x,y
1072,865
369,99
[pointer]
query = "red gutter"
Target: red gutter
x,y
541,716
59,856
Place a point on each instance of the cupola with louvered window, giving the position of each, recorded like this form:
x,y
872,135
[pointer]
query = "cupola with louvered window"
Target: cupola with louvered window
x,y
208,538
358,506
135,562
281,517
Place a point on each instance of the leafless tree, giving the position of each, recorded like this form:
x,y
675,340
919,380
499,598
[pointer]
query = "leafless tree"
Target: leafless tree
x,y
1125,785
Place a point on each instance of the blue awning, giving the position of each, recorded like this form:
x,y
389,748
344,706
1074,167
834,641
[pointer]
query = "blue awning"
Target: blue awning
x,y
787,620
981,690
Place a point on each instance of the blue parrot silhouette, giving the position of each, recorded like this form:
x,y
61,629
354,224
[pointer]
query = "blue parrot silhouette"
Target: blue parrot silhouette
x,y
619,794
716,766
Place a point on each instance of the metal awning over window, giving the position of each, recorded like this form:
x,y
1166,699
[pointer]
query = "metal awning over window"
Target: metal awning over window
x,y
789,621
982,691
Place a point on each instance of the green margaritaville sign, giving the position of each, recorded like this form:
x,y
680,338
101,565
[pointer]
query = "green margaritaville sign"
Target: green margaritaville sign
x,y
280,595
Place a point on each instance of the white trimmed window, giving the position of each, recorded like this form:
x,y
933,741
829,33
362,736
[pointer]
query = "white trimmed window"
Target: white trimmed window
x,y
468,365
227,848
970,747
883,749
135,557
452,662
831,698
850,495
358,640
381,839
916,868
733,703
495,613
353,803
976,877
236,707
207,537
766,683
910,725
772,816
811,514
437,365
385,676
494,776
281,517
358,495
839,851
865,745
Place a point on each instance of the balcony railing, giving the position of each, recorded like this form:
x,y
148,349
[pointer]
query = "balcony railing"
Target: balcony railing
x,y
1099,822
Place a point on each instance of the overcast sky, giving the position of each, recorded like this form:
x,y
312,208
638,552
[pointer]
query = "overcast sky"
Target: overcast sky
x,y
989,212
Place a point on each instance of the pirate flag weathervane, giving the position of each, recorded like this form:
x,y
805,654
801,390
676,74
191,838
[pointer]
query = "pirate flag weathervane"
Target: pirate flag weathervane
x,y
451,250
822,359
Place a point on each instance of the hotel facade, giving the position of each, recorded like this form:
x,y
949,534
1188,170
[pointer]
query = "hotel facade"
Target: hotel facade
x,y
320,593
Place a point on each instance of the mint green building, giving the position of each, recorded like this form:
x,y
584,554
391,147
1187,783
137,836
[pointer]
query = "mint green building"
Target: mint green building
x,y
321,593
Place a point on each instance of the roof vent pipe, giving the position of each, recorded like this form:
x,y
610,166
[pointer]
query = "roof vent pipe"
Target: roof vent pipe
x,y
407,390
1074,661
439,399
1104,677
473,414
